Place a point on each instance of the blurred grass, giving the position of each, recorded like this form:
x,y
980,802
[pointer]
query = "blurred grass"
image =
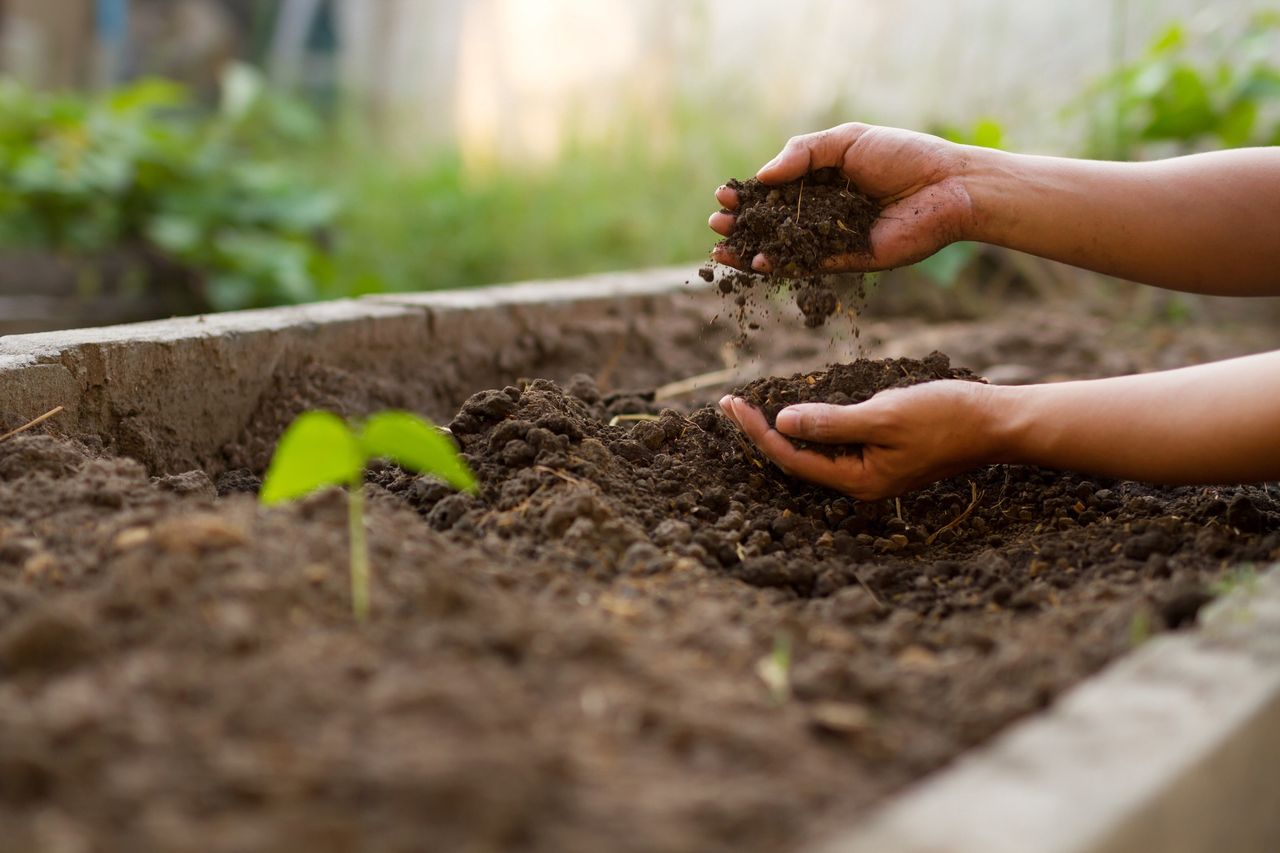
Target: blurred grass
x,y
625,200
271,201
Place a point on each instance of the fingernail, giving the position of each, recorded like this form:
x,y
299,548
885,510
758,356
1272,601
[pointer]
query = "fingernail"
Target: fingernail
x,y
726,401
788,421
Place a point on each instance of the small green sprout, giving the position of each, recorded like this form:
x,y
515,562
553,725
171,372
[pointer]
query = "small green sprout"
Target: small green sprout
x,y
1243,576
321,449
775,669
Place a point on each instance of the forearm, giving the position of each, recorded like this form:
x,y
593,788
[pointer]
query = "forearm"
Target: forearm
x,y
1206,223
1213,423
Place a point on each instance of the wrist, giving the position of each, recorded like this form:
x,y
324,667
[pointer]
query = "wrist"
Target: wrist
x,y
1009,424
985,174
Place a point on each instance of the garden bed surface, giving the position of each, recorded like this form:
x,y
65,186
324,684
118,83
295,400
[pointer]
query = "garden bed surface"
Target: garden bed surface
x,y
637,636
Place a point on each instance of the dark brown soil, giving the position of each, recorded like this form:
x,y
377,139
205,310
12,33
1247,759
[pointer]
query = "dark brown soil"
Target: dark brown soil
x,y
571,659
798,226
801,224
844,384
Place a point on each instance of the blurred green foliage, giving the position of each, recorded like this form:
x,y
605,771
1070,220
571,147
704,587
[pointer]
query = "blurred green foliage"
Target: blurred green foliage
x,y
625,200
1185,93
144,166
272,204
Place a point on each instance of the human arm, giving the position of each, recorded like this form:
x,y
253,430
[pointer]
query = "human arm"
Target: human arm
x,y
1212,423
1206,223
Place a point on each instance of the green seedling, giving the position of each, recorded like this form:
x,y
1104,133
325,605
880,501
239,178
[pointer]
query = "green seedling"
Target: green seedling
x,y
775,670
321,449
1244,577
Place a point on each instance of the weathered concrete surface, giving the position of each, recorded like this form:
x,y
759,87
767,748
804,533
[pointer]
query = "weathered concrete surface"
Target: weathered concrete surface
x,y
172,393
1175,748
635,283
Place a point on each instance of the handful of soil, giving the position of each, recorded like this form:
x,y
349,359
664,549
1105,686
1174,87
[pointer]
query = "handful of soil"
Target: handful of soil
x,y
798,225
845,384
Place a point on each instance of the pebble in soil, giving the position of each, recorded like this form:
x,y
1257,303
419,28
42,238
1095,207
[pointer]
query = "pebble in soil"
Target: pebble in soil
x,y
799,226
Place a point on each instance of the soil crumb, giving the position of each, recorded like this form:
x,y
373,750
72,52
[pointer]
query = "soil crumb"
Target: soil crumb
x,y
845,384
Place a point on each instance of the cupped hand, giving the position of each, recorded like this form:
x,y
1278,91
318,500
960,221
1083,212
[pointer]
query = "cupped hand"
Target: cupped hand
x,y
918,180
909,437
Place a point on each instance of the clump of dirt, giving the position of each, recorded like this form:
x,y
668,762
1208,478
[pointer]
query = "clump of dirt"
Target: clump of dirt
x,y
845,384
799,226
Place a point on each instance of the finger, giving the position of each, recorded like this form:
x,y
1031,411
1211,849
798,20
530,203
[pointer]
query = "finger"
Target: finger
x,y
726,406
811,151
752,422
722,254
721,223
762,264
829,424
728,198
844,475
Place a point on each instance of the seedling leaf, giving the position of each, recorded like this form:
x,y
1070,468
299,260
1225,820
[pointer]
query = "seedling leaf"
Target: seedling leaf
x,y
318,449
413,443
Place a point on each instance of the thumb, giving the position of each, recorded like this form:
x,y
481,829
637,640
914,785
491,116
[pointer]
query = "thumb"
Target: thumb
x,y
790,163
829,424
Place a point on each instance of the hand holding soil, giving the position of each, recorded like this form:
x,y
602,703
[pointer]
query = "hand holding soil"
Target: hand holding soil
x,y
906,437
915,180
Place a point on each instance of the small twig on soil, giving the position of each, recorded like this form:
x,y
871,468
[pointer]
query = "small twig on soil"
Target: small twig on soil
x,y
748,452
871,592
959,518
638,416
799,199
897,503
29,424
568,478
696,383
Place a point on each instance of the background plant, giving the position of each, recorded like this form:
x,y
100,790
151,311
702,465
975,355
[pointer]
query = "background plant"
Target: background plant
x,y
321,449
1188,92
145,167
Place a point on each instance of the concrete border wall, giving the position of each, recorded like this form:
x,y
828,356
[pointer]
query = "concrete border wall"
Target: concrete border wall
x,y
173,392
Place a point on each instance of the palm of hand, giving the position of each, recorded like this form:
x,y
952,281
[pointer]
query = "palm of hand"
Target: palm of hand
x,y
913,175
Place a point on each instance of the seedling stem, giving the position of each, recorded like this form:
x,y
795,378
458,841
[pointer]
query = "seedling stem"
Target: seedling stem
x,y
321,449
359,550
